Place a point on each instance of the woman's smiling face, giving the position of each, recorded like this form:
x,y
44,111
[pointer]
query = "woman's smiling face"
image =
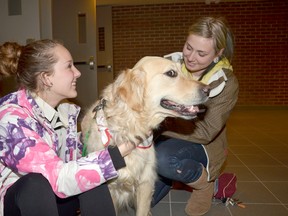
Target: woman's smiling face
x,y
63,78
198,53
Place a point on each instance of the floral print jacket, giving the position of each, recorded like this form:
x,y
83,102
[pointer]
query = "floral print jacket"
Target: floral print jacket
x,y
28,143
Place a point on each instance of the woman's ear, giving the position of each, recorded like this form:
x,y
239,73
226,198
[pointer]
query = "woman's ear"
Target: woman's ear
x,y
45,80
220,52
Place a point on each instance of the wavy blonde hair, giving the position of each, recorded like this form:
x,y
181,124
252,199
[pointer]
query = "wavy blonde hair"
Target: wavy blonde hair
x,y
218,30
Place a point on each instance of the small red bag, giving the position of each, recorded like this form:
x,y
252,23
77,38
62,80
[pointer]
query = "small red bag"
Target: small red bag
x,y
225,186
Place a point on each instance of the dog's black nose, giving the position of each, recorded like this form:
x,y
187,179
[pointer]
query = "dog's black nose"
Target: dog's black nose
x,y
206,90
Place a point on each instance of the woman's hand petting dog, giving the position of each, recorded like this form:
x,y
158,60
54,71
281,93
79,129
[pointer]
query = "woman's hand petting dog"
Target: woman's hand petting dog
x,y
126,148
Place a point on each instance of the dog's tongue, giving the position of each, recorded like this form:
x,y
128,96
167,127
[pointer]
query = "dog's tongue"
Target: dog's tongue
x,y
196,109
188,109
193,109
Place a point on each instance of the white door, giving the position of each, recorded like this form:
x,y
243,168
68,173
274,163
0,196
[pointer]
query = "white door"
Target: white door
x,y
74,23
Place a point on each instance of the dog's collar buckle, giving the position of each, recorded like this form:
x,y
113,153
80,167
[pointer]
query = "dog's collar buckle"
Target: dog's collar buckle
x,y
147,143
100,105
101,122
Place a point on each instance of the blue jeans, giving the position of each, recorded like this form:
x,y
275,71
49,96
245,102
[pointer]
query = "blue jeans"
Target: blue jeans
x,y
177,160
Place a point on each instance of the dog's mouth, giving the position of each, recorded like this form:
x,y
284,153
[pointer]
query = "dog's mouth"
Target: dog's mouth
x,y
183,110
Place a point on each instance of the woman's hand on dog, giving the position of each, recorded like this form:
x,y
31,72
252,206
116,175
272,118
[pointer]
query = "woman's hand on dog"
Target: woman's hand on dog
x,y
126,148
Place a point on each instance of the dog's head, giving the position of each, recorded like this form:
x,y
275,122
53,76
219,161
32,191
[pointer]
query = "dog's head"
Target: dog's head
x,y
157,86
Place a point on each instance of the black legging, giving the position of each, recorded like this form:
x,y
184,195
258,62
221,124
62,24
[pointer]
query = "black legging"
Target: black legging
x,y
32,195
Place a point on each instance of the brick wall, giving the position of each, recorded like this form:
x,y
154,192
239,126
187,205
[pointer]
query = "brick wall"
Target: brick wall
x,y
261,36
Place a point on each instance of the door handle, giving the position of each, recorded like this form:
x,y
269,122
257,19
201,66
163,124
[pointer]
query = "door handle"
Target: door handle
x,y
90,62
80,63
107,67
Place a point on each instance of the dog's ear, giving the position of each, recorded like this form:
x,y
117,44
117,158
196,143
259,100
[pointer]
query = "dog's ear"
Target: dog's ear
x,y
132,88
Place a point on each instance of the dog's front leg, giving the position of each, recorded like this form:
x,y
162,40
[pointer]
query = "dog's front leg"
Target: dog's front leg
x,y
143,198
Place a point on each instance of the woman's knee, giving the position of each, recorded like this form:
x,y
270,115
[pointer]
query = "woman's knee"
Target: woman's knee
x,y
162,154
29,191
167,160
35,183
179,159
170,151
36,180
97,200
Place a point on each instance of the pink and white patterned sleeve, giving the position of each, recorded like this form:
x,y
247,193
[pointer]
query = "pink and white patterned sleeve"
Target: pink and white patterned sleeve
x,y
24,151
70,178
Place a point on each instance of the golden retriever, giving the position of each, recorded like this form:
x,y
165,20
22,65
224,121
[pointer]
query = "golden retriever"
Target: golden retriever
x,y
131,107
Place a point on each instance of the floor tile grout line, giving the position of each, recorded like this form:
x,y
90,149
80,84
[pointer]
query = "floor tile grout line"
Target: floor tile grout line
x,y
270,204
253,143
257,176
264,149
170,204
265,134
268,154
259,131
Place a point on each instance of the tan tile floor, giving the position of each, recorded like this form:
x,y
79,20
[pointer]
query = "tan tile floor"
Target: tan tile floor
x,y
258,146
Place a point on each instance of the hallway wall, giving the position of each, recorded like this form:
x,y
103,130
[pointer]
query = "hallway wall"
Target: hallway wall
x,y
261,36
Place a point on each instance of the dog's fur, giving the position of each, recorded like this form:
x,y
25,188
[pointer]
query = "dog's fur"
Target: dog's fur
x,y
136,103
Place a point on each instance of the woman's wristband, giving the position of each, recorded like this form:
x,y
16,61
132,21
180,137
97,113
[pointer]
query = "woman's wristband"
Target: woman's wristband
x,y
117,159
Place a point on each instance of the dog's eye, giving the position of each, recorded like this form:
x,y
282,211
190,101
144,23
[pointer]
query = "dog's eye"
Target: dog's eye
x,y
171,73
